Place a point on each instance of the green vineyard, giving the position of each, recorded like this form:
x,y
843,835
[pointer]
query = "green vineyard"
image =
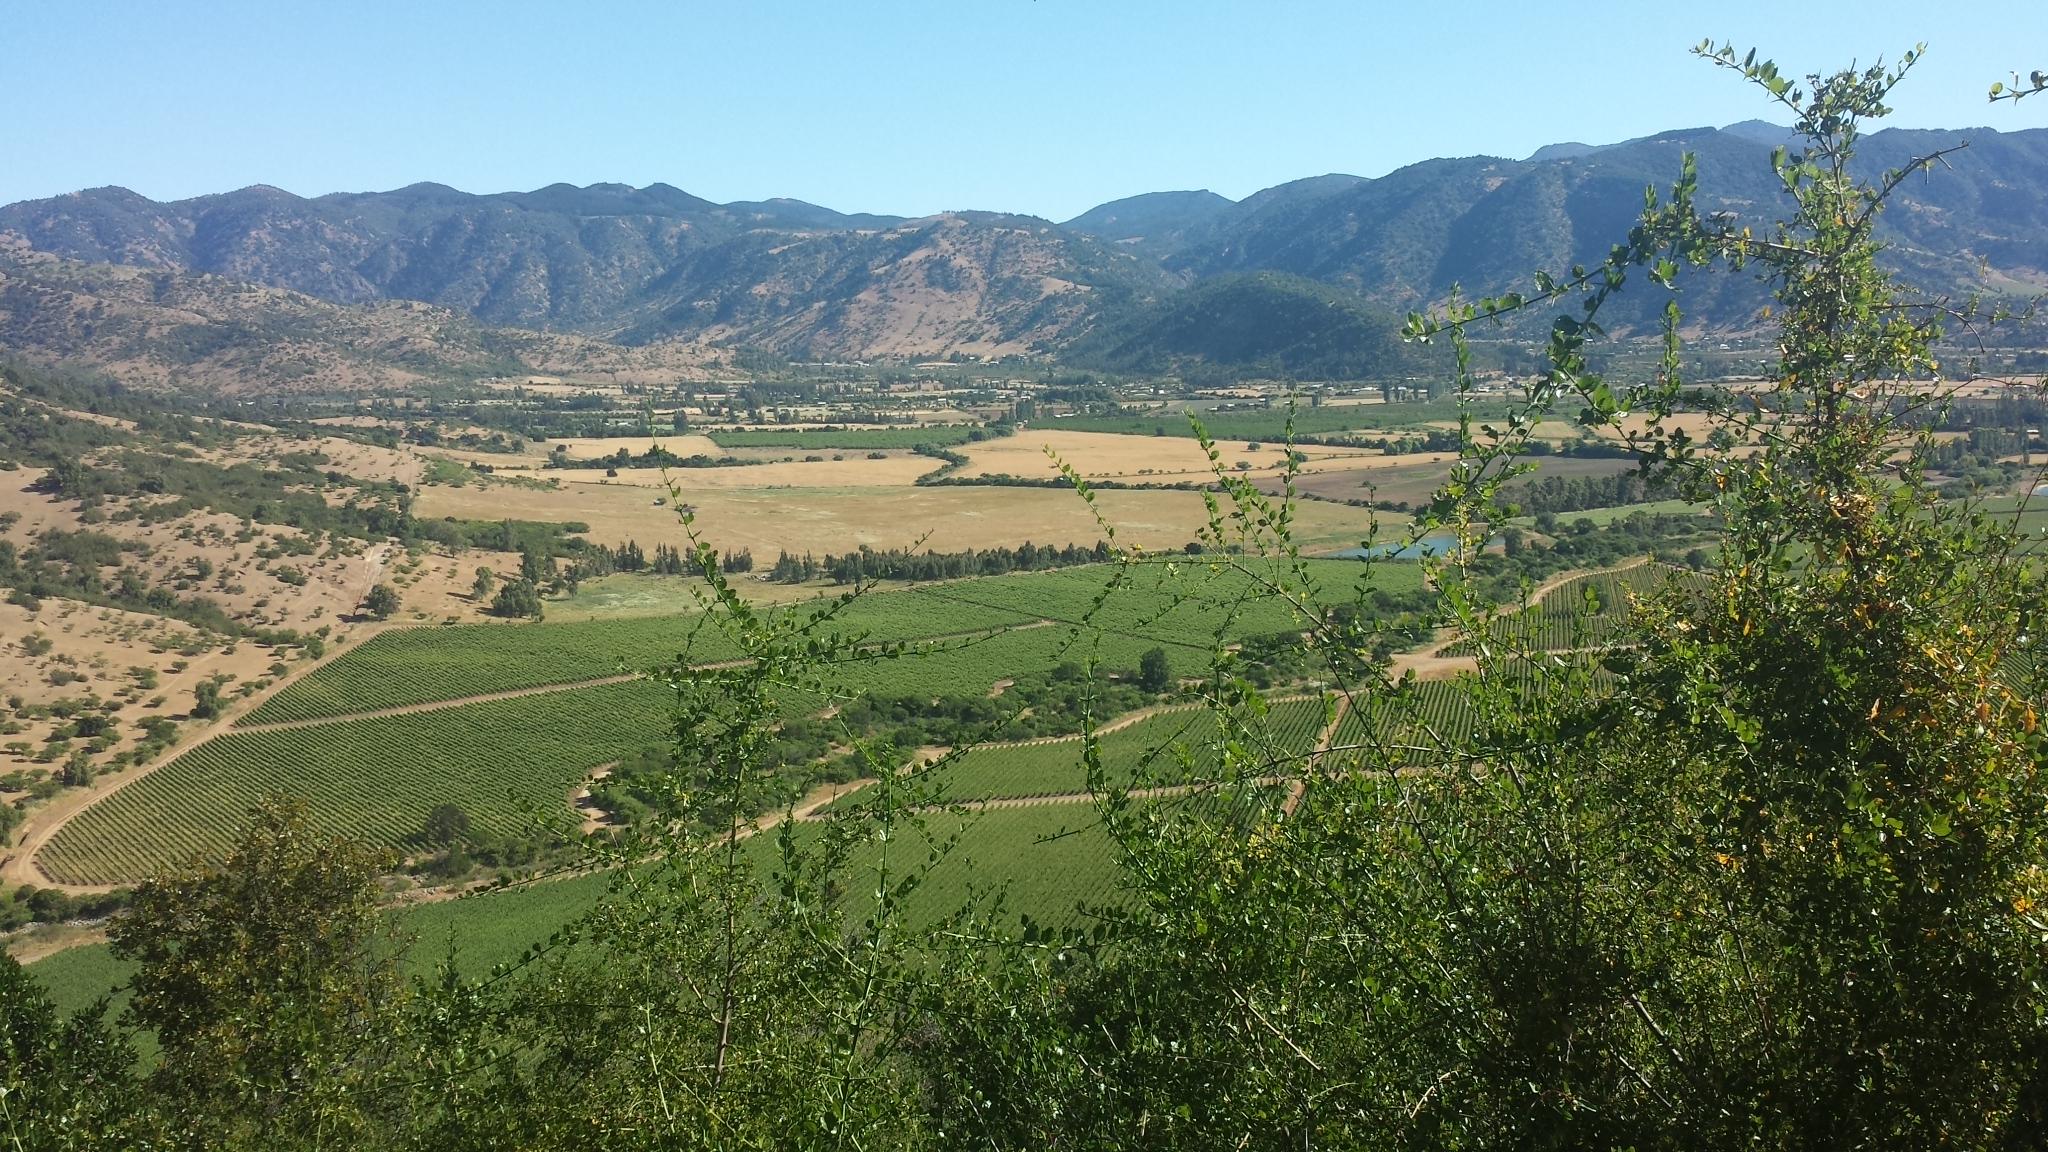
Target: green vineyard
x,y
971,667
1047,863
1402,730
507,761
1148,753
1187,604
426,665
1580,613
413,666
503,762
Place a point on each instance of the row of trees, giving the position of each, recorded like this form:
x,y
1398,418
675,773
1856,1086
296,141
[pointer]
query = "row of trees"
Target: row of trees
x,y
1554,494
869,564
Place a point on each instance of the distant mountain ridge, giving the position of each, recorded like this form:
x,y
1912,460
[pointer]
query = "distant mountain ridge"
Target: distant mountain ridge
x,y
200,332
642,265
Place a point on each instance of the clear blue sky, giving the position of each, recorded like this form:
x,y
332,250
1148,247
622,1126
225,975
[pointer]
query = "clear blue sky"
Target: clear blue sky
x,y
1038,106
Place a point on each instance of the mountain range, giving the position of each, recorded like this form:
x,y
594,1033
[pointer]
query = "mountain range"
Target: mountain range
x,y
653,266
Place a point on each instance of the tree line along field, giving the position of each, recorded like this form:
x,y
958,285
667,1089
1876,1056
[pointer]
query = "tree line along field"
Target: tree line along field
x,y
507,762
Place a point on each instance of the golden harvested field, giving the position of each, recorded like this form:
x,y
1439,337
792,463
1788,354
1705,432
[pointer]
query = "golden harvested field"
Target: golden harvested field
x,y
1114,456
1330,473
821,519
1996,387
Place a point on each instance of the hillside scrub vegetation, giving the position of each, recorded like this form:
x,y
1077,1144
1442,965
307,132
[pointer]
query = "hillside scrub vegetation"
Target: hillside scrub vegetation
x,y
1759,867
1269,323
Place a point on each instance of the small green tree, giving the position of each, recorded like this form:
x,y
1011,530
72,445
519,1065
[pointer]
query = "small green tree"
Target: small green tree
x,y
65,1085
445,825
535,566
1155,671
481,586
382,602
269,984
206,699
517,598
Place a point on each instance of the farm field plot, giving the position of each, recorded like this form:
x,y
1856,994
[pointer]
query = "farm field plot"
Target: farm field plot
x,y
2026,515
503,762
971,667
946,518
1413,478
1408,479
1145,754
863,439
1186,606
1379,731
1111,455
424,665
1270,425
1047,860
1565,619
